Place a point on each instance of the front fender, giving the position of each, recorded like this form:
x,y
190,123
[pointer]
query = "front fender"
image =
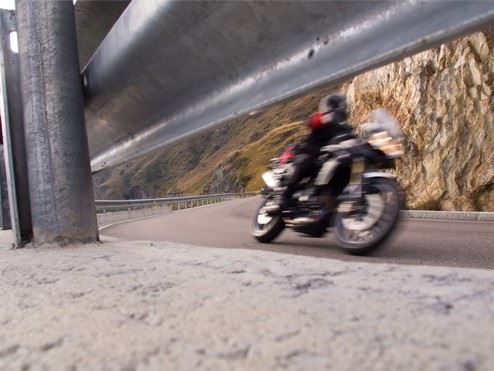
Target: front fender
x,y
353,191
378,174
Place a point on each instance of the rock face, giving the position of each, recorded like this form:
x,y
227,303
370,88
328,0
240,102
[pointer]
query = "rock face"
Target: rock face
x,y
223,181
444,100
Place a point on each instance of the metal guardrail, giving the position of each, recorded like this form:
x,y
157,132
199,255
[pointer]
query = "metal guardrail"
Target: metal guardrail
x,y
169,69
176,203
481,216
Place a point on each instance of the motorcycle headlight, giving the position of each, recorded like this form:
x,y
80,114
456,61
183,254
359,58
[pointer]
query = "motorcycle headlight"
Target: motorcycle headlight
x,y
391,147
271,180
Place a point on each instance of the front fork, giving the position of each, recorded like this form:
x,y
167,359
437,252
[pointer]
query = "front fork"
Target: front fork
x,y
355,190
356,176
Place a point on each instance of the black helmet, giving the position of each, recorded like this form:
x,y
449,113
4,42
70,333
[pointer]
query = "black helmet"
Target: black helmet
x,y
336,102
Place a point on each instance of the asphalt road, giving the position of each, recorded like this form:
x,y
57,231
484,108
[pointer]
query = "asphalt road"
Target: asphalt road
x,y
226,225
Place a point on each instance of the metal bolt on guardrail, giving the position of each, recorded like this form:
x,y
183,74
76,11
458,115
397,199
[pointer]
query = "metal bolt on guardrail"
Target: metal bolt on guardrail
x,y
175,203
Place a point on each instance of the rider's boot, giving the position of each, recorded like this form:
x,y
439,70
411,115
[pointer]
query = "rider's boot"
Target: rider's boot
x,y
286,202
323,214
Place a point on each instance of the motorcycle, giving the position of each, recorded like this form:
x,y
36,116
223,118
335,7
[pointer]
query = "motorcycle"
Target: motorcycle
x,y
366,211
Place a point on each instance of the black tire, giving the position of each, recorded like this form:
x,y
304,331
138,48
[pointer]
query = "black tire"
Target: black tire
x,y
384,225
266,233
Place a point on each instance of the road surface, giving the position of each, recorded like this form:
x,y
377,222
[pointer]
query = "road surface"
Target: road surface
x,y
420,242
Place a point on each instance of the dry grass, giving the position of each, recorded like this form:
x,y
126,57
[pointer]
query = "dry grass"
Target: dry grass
x,y
242,148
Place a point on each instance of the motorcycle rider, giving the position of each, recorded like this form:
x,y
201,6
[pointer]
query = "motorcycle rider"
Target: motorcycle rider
x,y
325,125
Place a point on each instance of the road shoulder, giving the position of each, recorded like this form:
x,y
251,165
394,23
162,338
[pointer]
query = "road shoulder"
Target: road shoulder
x,y
138,304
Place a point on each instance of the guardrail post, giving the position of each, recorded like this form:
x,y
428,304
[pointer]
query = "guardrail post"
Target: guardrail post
x,y
13,136
60,187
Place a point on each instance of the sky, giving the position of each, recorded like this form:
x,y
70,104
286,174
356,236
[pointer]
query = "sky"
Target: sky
x,y
10,4
7,4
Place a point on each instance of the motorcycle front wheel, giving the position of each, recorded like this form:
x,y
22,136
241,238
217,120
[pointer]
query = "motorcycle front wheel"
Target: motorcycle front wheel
x,y
265,228
362,232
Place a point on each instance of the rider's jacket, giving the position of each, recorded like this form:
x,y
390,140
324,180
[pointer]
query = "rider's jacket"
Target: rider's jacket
x,y
324,127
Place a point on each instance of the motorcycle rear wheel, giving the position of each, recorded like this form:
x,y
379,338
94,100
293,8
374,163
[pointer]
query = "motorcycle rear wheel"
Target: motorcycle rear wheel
x,y
265,228
361,235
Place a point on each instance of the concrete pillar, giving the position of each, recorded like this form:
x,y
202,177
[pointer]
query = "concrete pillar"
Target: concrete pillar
x,y
62,201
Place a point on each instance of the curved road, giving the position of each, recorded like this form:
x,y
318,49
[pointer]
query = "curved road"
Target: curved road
x,y
429,242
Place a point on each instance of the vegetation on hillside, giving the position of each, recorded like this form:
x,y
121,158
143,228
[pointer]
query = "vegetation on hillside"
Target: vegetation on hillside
x,y
231,157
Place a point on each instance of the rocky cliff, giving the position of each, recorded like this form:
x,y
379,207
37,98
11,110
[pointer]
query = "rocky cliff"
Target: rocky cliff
x,y
443,98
